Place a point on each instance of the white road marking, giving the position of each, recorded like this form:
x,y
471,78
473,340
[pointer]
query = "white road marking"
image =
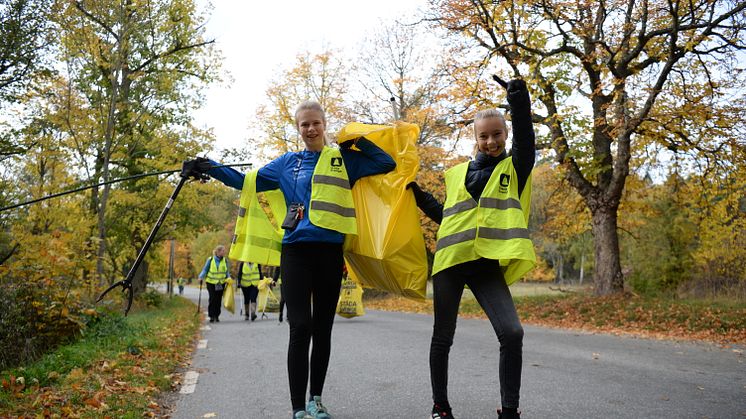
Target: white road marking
x,y
190,382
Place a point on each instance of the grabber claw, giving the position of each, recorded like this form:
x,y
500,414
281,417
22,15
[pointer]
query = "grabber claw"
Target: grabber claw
x,y
126,285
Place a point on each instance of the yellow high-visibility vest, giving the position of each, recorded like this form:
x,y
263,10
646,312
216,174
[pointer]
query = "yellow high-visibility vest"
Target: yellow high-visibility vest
x,y
250,274
331,204
217,272
256,239
496,227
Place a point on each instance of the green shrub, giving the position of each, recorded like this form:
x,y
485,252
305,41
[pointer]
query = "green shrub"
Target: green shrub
x,y
152,298
34,320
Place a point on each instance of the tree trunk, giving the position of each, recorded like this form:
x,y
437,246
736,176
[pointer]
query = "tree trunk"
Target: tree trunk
x,y
607,271
140,278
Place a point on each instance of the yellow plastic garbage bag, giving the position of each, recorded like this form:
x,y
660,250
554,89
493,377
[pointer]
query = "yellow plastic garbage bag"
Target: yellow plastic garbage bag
x,y
388,253
266,300
229,301
350,302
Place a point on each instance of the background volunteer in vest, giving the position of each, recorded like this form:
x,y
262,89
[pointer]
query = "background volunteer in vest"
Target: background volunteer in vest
x,y
215,273
477,236
180,282
249,275
311,255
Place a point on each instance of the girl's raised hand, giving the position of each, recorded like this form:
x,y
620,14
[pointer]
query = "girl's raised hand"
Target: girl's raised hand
x,y
514,85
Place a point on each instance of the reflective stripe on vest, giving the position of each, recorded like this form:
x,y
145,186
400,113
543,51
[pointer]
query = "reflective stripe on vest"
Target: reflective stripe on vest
x,y
494,228
256,239
216,272
249,275
331,204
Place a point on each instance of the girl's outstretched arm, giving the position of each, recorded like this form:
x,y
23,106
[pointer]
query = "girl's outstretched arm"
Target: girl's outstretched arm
x,y
427,203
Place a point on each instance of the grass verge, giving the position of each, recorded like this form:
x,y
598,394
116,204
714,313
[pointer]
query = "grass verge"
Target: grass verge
x,y
117,369
655,317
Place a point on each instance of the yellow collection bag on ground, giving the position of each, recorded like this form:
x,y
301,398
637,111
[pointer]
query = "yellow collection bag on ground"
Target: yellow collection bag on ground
x,y
388,253
229,302
350,299
266,300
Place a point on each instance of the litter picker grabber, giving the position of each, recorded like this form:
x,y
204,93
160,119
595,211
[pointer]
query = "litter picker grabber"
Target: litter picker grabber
x,y
126,283
199,297
243,303
109,182
264,307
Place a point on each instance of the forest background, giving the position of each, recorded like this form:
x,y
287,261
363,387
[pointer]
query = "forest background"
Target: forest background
x,y
639,114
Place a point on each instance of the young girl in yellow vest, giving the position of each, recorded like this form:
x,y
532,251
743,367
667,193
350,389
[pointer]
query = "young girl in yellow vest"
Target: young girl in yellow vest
x,y
316,186
483,243
215,272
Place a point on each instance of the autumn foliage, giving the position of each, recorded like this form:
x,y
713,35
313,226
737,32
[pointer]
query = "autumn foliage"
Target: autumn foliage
x,y
626,315
118,369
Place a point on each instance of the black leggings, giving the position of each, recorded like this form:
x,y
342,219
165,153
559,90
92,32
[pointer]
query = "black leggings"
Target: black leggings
x,y
486,282
215,301
310,271
282,300
249,294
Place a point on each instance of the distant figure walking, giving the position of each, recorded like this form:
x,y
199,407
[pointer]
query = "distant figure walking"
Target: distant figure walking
x,y
216,271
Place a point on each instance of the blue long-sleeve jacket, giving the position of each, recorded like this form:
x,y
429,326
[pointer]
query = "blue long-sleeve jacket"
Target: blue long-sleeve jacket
x,y
292,173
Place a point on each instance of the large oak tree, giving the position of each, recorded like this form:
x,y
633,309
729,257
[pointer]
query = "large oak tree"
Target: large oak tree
x,y
609,78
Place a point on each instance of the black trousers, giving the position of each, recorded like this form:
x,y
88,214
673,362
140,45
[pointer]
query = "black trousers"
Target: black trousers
x,y
486,282
311,279
249,294
215,300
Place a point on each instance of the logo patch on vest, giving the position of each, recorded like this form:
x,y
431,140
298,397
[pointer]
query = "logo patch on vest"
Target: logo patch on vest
x,y
504,183
336,164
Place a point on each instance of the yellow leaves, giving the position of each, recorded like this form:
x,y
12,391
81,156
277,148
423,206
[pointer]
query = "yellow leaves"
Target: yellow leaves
x,y
397,303
321,77
75,375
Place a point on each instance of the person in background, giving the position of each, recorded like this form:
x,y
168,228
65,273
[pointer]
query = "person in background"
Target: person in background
x,y
483,242
180,281
215,273
249,275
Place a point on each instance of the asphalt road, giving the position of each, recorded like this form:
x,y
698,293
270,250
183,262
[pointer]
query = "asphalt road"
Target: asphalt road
x,y
379,369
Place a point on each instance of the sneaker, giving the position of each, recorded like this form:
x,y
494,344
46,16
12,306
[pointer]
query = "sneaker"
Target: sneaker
x,y
212,320
317,410
440,412
253,317
509,413
301,414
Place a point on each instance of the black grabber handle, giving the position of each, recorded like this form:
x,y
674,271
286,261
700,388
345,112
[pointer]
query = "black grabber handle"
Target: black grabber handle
x,y
126,283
